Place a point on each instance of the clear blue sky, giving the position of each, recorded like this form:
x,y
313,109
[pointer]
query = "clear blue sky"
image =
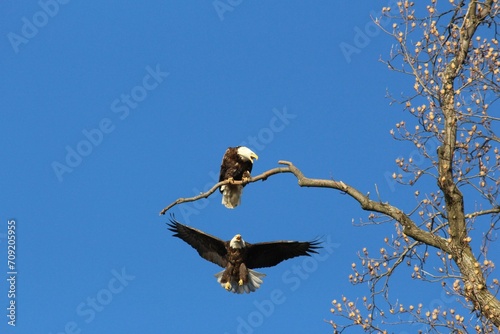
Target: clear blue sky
x,y
111,111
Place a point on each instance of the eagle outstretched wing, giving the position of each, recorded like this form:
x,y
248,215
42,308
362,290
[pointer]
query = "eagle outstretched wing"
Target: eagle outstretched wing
x,y
268,254
209,247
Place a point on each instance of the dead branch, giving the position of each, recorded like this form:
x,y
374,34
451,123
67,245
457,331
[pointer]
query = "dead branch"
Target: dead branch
x,y
216,186
410,228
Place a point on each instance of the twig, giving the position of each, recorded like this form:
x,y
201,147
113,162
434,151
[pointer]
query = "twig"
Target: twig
x,y
495,210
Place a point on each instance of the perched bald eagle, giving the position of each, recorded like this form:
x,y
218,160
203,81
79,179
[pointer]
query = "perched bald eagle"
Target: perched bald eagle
x,y
239,257
237,165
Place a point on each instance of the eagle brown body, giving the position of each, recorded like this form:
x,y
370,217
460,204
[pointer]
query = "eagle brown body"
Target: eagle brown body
x,y
236,268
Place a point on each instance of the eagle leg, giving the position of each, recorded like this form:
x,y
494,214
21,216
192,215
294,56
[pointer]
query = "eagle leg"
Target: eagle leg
x,y
226,277
246,177
243,274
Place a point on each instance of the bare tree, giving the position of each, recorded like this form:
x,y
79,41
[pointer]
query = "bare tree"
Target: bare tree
x,y
451,52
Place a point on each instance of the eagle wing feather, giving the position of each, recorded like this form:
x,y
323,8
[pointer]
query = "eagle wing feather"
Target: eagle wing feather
x,y
208,247
227,164
269,254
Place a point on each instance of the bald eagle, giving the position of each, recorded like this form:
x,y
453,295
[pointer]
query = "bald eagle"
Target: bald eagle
x,y
239,257
236,165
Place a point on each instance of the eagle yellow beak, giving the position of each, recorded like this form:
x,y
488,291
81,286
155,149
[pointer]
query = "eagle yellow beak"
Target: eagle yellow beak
x,y
238,237
255,156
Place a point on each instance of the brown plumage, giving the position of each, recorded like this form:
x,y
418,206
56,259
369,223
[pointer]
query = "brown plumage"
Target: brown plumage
x,y
238,257
237,164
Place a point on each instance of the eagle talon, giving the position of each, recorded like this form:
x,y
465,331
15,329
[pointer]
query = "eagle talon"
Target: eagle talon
x,y
227,286
240,282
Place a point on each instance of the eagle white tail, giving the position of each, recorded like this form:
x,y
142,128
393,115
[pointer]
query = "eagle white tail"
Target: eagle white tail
x,y
254,282
231,195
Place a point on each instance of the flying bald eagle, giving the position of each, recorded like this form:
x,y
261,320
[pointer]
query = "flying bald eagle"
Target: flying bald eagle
x,y
239,257
236,165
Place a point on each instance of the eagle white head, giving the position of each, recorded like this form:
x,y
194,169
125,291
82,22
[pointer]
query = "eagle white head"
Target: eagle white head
x,y
237,242
247,154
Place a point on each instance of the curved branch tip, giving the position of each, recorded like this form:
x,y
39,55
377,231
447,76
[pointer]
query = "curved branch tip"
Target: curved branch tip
x,y
284,162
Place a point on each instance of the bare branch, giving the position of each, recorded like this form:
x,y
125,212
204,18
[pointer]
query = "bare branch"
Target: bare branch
x,y
410,228
262,177
483,212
